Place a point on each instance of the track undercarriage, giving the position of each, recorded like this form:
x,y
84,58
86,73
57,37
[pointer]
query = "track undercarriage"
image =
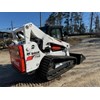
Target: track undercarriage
x,y
52,67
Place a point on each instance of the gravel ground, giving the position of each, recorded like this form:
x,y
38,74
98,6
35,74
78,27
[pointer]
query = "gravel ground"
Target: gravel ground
x,y
86,74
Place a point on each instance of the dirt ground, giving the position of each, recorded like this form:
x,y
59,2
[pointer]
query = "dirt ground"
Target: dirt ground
x,y
87,74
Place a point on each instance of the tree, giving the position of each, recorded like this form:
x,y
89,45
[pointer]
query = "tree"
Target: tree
x,y
73,22
82,28
59,17
96,23
51,19
55,18
91,21
67,21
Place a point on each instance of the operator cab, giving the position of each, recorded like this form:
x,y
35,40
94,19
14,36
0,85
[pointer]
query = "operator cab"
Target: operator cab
x,y
53,31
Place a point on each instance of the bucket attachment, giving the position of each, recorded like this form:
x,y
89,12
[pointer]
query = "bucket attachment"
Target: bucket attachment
x,y
80,57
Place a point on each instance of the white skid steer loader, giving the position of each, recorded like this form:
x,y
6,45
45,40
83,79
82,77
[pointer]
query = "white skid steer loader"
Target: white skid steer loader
x,y
34,51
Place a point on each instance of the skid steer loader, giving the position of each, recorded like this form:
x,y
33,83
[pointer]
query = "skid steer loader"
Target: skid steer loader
x,y
34,51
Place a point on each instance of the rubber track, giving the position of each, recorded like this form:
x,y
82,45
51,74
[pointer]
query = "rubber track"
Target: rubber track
x,y
44,71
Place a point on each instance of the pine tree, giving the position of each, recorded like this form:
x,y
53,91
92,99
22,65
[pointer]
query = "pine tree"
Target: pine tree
x,y
96,23
51,19
59,17
67,21
55,18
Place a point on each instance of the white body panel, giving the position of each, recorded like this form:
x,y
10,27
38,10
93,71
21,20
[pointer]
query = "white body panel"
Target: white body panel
x,y
37,54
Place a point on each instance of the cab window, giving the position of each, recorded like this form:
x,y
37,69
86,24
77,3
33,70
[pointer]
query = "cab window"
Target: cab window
x,y
56,33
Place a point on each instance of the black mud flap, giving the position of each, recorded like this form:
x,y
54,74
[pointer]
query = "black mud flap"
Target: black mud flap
x,y
80,57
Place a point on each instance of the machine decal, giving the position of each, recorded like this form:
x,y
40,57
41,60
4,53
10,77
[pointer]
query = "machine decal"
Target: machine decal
x,y
36,54
29,58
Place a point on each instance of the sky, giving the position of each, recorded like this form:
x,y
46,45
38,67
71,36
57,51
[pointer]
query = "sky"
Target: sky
x,y
20,18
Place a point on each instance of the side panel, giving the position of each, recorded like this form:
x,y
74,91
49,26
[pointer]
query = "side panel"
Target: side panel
x,y
33,56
